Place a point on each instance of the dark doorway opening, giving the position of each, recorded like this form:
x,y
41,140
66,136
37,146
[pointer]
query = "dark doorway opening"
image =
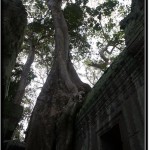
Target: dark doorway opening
x,y
111,140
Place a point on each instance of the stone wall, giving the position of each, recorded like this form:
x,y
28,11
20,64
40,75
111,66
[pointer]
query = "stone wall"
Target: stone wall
x,y
14,20
112,117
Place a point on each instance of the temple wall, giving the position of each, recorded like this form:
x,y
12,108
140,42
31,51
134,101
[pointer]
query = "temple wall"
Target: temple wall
x,y
112,117
14,21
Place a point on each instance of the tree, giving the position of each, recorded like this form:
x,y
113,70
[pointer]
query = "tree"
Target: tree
x,y
83,22
24,76
104,27
20,78
62,94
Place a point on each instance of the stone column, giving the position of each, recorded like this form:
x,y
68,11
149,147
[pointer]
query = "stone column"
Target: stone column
x,y
14,20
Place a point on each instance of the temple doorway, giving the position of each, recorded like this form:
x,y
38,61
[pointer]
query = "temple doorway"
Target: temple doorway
x,y
111,140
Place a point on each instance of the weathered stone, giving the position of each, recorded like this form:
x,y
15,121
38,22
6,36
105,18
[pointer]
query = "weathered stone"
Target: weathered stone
x,y
14,20
115,106
13,145
12,114
134,21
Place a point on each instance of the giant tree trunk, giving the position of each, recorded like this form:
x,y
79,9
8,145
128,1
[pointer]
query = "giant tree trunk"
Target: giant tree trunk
x,y
51,123
24,76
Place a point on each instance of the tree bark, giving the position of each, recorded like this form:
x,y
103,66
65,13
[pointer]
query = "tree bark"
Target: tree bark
x,y
51,123
24,76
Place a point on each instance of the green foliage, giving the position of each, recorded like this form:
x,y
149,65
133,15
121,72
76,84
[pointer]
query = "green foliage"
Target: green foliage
x,y
80,2
74,16
108,7
35,26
